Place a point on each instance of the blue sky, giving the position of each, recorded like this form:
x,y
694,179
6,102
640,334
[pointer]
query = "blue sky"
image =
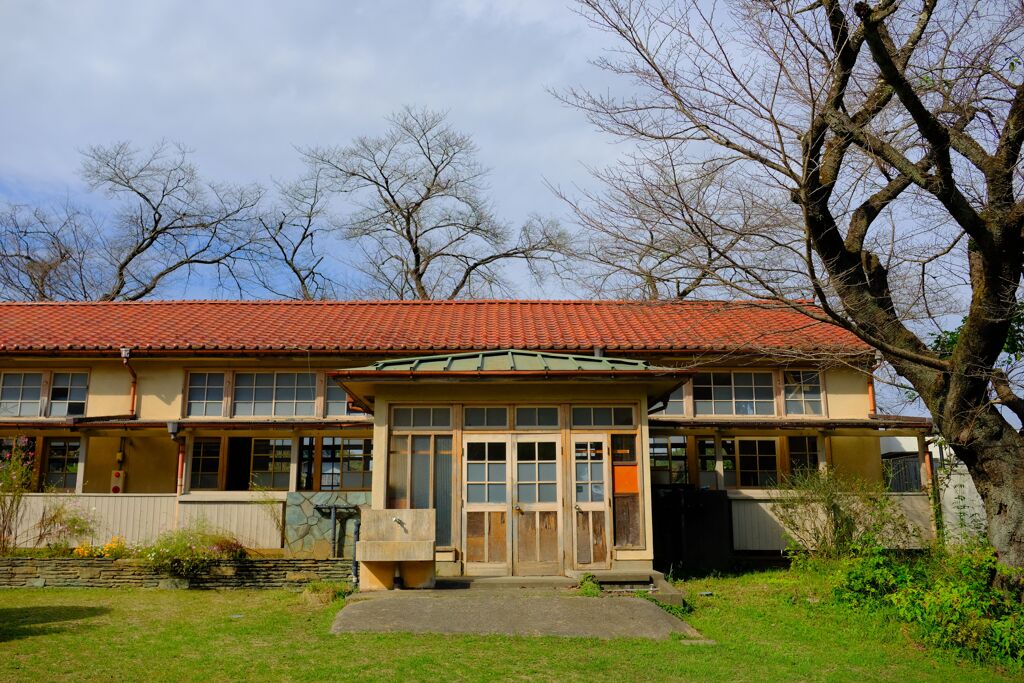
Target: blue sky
x,y
245,83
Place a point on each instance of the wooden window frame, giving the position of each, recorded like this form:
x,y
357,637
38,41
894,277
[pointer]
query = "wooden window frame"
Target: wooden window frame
x,y
43,392
274,400
432,428
367,459
50,401
740,470
602,427
47,457
505,426
733,400
206,387
273,457
817,453
802,399
330,386
192,461
669,438
721,456
408,435
538,427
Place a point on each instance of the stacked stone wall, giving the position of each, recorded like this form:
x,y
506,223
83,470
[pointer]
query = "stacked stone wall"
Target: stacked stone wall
x,y
105,573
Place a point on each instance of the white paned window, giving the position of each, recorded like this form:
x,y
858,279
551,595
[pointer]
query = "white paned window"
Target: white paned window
x,y
67,394
205,394
733,393
281,394
20,394
803,393
337,399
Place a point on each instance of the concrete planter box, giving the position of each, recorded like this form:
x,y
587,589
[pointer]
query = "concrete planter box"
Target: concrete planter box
x,y
104,573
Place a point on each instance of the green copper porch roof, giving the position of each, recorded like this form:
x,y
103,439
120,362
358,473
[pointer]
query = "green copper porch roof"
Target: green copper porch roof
x,y
512,360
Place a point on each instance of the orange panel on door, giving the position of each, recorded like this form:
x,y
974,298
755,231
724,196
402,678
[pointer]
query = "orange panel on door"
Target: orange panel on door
x,y
624,479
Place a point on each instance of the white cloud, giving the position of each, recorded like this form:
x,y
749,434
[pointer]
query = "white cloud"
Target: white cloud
x,y
243,83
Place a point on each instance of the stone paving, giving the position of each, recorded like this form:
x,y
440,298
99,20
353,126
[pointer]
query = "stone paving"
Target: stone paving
x,y
511,612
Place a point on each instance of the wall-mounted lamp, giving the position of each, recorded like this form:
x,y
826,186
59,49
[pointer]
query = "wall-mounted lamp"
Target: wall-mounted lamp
x,y
173,428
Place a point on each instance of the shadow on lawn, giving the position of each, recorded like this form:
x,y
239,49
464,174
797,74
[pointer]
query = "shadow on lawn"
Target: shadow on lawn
x,y
25,622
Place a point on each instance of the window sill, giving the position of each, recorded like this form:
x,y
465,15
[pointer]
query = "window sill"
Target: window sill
x,y
232,496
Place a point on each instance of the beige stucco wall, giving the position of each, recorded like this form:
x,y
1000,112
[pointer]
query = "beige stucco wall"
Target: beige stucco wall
x,y
858,456
150,464
847,394
109,385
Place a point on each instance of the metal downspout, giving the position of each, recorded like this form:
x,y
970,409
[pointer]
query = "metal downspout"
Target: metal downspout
x,y
126,354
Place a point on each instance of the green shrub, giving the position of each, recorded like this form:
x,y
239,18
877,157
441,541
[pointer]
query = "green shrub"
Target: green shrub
x,y
189,552
61,525
588,586
828,515
17,462
949,594
876,574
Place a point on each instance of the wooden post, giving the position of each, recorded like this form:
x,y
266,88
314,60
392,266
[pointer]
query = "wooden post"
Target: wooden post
x,y
180,487
927,481
719,462
925,462
83,442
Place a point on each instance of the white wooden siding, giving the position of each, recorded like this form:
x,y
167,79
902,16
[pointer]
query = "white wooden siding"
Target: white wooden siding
x,y
140,518
754,527
252,523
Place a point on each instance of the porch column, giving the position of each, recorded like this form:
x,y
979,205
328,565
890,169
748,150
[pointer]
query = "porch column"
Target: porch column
x,y
719,462
379,486
925,461
293,465
83,446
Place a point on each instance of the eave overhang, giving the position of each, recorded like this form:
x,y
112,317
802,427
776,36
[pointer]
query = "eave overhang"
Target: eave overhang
x,y
506,365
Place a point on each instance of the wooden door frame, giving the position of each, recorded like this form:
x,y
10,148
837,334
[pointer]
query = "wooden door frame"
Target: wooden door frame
x,y
486,568
604,506
555,438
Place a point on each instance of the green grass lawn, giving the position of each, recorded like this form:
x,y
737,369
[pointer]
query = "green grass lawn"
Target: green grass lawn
x,y
764,624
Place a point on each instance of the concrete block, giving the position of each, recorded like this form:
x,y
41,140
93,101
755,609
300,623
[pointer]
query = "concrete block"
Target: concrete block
x,y
417,574
397,525
376,576
395,551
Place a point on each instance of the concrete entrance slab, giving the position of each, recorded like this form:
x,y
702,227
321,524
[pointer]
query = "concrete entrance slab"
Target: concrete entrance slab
x,y
512,613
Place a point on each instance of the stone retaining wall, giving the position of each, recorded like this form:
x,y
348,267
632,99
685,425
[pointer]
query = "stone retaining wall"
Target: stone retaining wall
x,y
104,573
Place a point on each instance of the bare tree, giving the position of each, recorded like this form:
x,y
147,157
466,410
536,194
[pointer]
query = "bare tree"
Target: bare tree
x,y
422,224
294,236
169,221
640,237
165,222
44,253
893,134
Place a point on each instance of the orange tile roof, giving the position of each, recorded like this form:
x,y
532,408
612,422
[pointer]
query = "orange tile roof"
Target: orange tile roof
x,y
415,326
